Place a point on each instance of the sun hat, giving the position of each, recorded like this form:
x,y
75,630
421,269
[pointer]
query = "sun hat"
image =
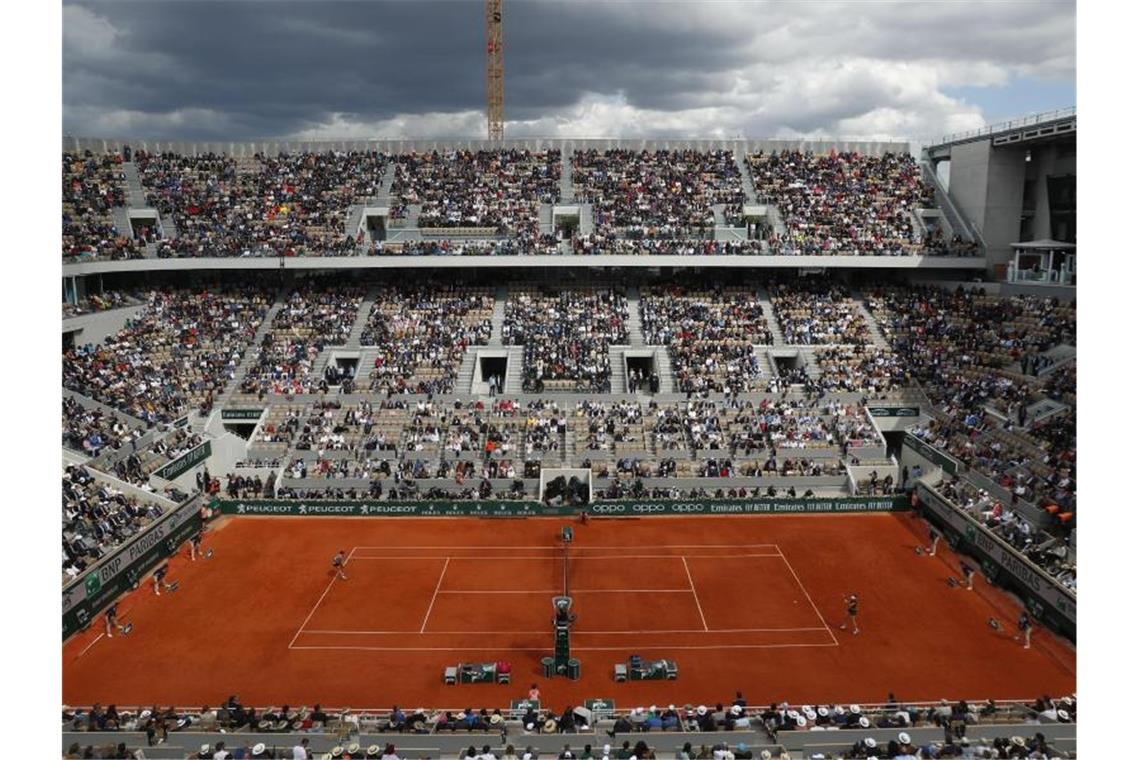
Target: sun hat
x,y
863,722
904,737
856,709
1018,741
259,748
374,750
204,748
870,742
702,710
801,721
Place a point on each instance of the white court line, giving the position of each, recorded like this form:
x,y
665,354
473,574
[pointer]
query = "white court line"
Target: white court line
x,y
318,604
574,557
93,643
663,647
558,592
810,600
583,633
558,550
310,617
694,589
433,596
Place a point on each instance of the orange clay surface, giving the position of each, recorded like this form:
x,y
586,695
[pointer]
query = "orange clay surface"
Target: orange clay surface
x,y
749,603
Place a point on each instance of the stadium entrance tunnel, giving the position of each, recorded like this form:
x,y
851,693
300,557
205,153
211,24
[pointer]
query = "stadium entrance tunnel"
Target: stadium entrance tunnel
x,y
787,363
491,366
639,372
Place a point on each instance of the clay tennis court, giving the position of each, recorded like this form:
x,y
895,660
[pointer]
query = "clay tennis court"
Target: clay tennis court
x,y
750,603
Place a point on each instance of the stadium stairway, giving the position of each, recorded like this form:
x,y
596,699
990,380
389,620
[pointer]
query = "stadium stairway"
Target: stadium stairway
x,y
618,380
385,195
498,314
412,221
770,315
361,319
949,209
545,219
213,425
811,364
122,221
587,219
877,337
633,321
353,219
746,179
665,370
466,372
136,196
513,384
364,366
566,183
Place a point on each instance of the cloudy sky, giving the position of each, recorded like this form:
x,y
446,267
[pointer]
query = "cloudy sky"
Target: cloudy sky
x,y
215,70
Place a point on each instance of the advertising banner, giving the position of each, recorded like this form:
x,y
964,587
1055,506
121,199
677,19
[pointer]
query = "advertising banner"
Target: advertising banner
x,y
1046,599
87,595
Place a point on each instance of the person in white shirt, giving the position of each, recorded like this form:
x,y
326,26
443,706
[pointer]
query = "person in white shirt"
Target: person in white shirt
x,y
301,751
220,752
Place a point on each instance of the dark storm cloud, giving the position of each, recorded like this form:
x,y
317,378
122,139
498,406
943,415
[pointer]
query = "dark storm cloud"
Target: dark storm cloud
x,y
173,69
277,68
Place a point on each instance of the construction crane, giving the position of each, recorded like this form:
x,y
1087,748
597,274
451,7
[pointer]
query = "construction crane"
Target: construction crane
x,y
494,69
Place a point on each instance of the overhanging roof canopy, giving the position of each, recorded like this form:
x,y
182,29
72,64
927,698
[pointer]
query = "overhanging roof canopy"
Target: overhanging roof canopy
x,y
1045,245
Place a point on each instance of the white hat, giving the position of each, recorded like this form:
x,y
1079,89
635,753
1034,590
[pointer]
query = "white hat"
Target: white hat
x,y
653,708
765,755
856,709
870,742
736,709
338,750
794,713
672,707
824,712
1063,714
258,748
904,737
863,722
1018,741
801,721
810,713
839,710
527,756
702,710
807,708
204,748
353,748
144,714
606,750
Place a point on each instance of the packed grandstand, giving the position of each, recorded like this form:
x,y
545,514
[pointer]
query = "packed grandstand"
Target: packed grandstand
x,y
382,384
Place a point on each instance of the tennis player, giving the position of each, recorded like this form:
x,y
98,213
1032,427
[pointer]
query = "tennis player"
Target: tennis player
x,y
968,574
160,583
111,616
934,538
1025,625
196,546
852,602
338,564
